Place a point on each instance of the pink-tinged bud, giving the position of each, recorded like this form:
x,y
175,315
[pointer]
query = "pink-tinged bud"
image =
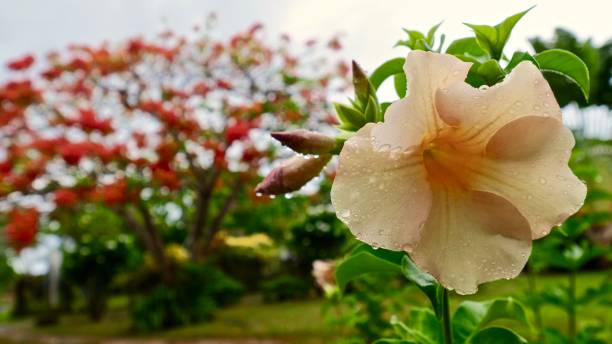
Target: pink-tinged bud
x,y
324,273
306,141
292,174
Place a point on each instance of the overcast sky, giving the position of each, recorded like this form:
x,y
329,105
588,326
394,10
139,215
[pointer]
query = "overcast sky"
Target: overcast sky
x,y
370,27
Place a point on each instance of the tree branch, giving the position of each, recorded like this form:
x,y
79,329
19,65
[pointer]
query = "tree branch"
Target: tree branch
x,y
227,205
202,209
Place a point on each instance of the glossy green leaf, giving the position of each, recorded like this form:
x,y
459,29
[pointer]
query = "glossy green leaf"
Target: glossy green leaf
x,y
518,57
401,84
467,49
387,70
366,260
497,335
492,39
472,316
426,283
491,72
569,65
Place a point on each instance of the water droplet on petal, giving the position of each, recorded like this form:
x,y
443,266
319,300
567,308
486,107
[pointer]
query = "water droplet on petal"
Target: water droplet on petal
x,y
483,87
542,180
345,214
536,107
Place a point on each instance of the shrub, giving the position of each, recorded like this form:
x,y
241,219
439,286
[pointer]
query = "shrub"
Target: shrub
x,y
284,287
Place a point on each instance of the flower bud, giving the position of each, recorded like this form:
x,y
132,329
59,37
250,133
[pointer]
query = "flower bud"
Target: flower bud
x,y
306,141
292,174
324,273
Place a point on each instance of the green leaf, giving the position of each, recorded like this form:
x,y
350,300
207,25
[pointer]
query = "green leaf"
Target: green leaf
x,y
393,341
518,57
565,63
497,335
427,324
372,110
491,72
350,118
401,84
386,70
431,34
365,260
472,316
467,49
427,283
424,327
493,38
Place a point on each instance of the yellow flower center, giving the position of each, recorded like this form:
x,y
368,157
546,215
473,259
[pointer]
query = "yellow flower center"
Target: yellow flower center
x,y
447,161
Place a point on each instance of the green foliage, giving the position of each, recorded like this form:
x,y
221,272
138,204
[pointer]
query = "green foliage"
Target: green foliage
x,y
426,283
566,64
386,70
419,41
195,293
285,287
597,58
492,39
366,260
497,335
319,236
471,317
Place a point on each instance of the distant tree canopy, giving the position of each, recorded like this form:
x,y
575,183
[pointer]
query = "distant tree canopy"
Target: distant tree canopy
x,y
597,58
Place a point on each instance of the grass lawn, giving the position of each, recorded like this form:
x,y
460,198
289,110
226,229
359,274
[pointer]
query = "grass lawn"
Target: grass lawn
x,y
302,321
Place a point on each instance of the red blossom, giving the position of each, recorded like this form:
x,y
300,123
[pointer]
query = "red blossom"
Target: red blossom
x,y
65,197
22,227
21,63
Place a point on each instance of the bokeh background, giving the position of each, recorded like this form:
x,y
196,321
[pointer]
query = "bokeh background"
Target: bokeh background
x,y
257,285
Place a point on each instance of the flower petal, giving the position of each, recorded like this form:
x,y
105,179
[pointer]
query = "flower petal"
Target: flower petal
x,y
478,113
381,195
471,238
409,119
527,163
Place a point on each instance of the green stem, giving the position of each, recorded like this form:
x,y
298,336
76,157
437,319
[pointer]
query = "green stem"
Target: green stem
x,y
531,280
571,326
446,320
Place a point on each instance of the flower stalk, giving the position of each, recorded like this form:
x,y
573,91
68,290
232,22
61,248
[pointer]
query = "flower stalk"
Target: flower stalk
x,y
446,320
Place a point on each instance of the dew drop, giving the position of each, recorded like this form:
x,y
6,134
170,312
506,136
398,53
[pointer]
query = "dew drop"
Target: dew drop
x,y
529,196
258,194
345,214
384,147
381,232
542,180
272,196
536,107
406,248
483,87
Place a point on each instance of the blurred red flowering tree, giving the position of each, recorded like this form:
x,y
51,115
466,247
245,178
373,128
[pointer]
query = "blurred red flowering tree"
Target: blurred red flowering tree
x,y
167,119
